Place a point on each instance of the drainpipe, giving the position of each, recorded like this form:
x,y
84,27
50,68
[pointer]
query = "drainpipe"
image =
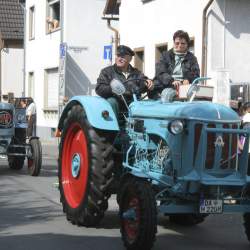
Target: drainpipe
x,y
1,48
117,39
24,46
204,39
62,21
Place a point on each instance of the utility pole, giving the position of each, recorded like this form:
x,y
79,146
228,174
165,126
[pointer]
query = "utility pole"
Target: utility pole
x,y
1,48
22,3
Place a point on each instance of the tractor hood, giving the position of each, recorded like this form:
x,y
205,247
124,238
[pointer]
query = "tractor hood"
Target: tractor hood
x,y
6,106
184,110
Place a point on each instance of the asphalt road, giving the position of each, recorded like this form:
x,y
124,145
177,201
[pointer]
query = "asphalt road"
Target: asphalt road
x,y
31,218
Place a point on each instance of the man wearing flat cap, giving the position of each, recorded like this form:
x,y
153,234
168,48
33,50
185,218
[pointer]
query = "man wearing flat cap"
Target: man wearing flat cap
x,y
123,71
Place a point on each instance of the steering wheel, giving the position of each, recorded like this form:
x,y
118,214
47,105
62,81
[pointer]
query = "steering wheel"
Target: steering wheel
x,y
137,90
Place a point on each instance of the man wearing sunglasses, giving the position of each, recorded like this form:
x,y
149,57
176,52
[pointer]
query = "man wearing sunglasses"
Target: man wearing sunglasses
x,y
178,65
123,71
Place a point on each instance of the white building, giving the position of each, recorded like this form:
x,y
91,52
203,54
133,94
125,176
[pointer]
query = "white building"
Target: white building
x,y
221,36
76,24
11,48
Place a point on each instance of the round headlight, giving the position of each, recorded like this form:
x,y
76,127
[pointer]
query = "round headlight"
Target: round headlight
x,y
176,127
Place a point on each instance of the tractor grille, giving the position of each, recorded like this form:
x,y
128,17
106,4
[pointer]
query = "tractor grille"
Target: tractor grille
x,y
228,152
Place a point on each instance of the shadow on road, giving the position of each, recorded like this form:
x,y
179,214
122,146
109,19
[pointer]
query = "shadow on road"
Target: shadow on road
x,y
49,169
20,213
110,220
51,241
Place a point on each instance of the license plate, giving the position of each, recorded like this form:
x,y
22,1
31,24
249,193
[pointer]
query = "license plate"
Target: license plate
x,y
211,206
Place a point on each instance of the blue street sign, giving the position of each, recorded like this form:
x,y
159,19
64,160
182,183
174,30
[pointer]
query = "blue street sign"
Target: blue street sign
x,y
107,52
63,47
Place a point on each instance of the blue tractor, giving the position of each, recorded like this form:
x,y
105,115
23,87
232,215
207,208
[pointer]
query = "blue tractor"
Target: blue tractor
x,y
175,157
14,143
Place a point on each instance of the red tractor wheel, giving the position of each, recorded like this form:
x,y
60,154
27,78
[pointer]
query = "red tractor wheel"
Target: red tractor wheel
x,y
138,214
85,170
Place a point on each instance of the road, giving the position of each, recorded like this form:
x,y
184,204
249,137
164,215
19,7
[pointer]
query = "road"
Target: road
x,y
31,218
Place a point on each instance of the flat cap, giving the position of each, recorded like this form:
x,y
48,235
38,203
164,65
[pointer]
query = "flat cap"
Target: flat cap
x,y
123,50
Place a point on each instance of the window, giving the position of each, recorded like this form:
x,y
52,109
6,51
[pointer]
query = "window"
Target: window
x,y
191,46
32,22
53,15
51,89
31,86
159,49
139,59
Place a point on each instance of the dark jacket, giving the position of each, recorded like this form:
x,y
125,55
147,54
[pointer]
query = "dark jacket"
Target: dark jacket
x,y
164,69
109,73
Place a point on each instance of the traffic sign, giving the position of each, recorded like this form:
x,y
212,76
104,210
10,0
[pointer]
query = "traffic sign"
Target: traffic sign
x,y
107,52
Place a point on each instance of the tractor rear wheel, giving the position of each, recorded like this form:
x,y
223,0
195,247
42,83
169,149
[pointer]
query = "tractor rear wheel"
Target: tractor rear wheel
x,y
187,219
138,214
85,170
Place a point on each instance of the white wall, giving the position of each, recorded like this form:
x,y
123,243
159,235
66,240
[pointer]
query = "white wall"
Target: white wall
x,y
237,44
84,28
229,39
41,53
145,25
12,71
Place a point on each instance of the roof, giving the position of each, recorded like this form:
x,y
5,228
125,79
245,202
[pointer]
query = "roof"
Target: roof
x,y
11,20
112,7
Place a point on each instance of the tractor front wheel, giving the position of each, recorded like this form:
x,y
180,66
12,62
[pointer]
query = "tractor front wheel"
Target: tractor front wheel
x,y
85,170
138,214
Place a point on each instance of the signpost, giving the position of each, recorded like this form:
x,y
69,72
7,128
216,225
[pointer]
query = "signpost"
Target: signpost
x,y
63,52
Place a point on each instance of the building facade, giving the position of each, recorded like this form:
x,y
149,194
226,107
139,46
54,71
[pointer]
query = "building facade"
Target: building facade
x,y
78,26
11,48
219,30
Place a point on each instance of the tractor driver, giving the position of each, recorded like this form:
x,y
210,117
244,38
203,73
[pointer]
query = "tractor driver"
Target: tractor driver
x,y
178,65
122,70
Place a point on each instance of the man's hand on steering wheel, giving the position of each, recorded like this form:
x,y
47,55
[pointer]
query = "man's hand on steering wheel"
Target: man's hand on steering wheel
x,y
149,84
176,83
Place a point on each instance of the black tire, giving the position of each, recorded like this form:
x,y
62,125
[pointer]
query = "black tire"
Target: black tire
x,y
187,219
85,196
248,169
246,219
137,202
17,162
35,161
